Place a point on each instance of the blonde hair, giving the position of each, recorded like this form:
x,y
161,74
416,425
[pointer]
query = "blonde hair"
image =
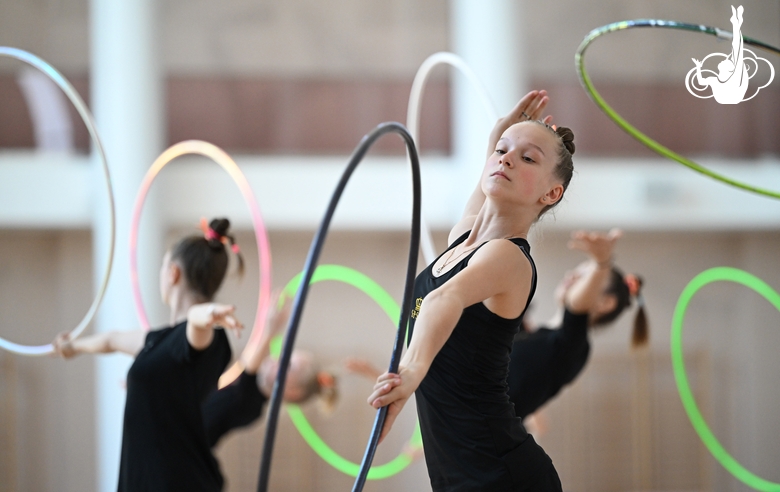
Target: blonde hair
x,y
322,384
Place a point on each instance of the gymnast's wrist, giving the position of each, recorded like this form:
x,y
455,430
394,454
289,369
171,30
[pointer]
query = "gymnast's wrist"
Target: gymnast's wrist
x,y
602,264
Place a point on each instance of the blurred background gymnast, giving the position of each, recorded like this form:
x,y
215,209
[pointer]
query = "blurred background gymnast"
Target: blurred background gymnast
x,y
594,294
164,443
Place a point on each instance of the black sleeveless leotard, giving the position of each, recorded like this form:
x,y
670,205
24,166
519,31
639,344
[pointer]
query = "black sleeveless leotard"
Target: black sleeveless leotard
x,y
471,437
545,361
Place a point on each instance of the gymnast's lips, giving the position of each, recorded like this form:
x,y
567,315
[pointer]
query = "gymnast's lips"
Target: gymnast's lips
x,y
500,173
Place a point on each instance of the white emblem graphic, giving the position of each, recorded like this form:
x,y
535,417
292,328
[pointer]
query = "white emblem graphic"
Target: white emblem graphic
x,y
730,84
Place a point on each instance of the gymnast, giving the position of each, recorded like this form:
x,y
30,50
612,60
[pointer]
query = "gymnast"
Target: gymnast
x,y
469,306
164,443
241,403
592,295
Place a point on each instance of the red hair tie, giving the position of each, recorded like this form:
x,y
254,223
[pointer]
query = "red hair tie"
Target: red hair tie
x,y
632,282
208,232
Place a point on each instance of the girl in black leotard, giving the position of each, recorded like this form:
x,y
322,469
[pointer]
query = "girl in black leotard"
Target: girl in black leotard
x,y
469,305
164,444
594,294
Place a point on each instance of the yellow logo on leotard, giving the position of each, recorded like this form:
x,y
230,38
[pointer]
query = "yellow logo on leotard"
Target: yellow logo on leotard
x,y
416,310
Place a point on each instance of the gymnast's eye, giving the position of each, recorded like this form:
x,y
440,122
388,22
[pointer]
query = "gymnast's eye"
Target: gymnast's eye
x,y
528,159
500,151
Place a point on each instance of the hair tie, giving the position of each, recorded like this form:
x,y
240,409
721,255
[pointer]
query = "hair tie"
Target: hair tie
x,y
632,282
640,300
235,248
209,233
326,380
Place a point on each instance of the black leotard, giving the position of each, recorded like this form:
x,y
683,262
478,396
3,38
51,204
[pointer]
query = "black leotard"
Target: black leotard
x,y
164,445
545,361
471,437
234,406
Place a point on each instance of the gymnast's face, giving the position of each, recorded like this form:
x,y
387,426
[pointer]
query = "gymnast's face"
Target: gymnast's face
x,y
521,170
299,374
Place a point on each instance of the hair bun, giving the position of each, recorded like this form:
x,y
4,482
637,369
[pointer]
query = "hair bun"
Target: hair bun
x,y
220,226
567,136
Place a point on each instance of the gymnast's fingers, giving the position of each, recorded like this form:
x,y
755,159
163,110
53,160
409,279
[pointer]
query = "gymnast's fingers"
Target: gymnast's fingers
x,y
387,387
523,104
391,383
392,413
386,376
221,310
577,244
537,105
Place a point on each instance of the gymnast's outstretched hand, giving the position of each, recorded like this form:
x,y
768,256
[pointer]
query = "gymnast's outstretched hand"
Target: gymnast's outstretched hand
x,y
203,318
600,247
393,390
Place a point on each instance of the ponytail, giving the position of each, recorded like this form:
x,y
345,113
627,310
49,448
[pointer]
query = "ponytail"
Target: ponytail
x,y
625,288
328,392
641,332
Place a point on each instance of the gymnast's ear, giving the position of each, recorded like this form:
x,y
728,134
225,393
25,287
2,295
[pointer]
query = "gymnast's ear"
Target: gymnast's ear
x,y
174,273
553,195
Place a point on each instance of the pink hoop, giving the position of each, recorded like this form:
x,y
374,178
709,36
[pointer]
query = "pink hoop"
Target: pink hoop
x,y
220,157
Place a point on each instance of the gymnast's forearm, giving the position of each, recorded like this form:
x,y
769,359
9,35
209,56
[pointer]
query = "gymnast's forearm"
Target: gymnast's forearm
x,y
439,314
99,343
586,291
252,357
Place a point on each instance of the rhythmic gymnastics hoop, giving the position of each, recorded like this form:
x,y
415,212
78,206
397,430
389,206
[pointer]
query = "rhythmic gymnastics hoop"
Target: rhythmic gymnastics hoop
x,y
66,87
380,296
718,452
220,157
579,61
300,299
413,118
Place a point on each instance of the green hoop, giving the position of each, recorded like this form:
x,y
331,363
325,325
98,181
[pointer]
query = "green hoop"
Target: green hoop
x,y
390,307
686,395
579,62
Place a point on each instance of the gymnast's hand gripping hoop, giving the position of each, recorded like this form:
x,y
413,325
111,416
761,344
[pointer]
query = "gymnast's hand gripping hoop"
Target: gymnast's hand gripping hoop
x,y
579,61
89,122
300,299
